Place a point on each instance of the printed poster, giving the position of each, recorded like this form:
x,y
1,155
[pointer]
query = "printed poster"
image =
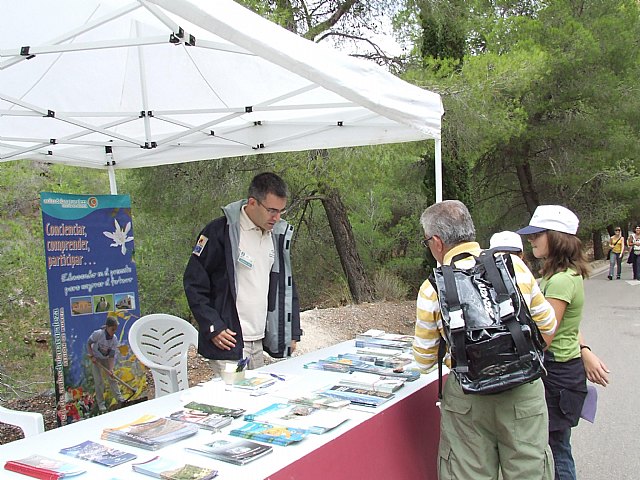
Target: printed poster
x,y
92,281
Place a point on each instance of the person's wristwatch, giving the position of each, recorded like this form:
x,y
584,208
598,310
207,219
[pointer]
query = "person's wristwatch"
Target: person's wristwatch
x,y
585,346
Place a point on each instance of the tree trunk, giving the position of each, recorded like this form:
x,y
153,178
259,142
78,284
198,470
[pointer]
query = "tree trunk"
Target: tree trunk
x,y
598,251
529,193
359,284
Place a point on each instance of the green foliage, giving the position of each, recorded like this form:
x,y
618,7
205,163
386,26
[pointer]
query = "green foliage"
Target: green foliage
x,y
25,347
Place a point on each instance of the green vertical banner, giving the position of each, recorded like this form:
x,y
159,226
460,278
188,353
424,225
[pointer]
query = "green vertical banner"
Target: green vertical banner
x,y
91,276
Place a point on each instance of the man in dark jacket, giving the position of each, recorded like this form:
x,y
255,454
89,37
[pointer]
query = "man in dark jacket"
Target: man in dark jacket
x,y
238,280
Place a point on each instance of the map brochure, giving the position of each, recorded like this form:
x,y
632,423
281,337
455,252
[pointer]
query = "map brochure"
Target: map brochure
x,y
169,469
98,453
205,407
270,433
45,468
237,452
315,420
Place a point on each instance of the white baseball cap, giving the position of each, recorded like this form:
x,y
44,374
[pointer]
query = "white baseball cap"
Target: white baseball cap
x,y
506,240
551,217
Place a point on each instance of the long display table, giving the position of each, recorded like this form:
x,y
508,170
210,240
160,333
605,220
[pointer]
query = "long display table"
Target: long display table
x,y
397,440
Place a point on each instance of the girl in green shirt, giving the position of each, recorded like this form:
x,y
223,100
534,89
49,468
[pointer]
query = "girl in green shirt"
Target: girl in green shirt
x,y
569,362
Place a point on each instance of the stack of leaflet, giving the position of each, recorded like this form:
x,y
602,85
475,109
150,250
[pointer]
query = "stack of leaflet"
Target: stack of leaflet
x,y
207,421
358,396
270,433
320,402
150,432
345,365
380,339
315,420
377,383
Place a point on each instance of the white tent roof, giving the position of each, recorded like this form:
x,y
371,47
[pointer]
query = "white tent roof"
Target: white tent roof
x,y
132,83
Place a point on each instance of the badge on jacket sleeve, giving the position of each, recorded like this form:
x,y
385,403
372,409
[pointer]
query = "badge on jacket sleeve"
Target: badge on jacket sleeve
x,y
202,241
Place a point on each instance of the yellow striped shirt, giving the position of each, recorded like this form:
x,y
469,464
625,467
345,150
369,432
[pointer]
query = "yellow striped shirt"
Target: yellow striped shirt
x,y
429,319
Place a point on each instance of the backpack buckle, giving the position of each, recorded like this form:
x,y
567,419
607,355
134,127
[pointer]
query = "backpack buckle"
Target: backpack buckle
x,y
506,308
456,320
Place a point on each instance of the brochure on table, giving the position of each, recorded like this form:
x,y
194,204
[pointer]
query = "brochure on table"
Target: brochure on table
x,y
299,382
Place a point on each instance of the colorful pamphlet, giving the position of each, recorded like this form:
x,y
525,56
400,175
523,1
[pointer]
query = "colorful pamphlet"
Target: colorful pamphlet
x,y
98,453
45,468
253,383
168,469
238,452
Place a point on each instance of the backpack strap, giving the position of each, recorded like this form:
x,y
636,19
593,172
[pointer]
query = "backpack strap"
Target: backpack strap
x,y
507,313
456,319
442,348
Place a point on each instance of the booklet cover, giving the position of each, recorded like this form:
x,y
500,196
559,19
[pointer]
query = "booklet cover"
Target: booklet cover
x,y
237,452
168,469
150,432
270,433
98,453
315,420
45,468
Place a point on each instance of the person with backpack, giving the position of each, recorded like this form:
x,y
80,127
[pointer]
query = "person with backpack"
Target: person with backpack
x,y
568,360
481,434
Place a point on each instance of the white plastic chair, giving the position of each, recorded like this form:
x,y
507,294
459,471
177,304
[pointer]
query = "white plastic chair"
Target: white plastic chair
x,y
161,342
31,423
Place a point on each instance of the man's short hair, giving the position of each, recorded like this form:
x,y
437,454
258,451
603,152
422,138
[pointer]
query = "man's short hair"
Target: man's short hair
x,y
265,183
450,220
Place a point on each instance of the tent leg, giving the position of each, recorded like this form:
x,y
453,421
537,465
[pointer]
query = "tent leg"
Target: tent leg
x,y
112,180
438,170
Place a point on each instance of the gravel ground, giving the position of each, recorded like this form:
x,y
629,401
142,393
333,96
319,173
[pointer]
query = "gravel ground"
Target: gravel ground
x,y
322,328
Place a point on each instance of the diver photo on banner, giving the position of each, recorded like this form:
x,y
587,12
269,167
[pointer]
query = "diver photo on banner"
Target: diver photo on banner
x,y
93,300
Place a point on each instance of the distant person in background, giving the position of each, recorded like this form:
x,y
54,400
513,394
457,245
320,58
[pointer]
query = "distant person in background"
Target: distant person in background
x,y
616,251
633,242
239,283
101,348
568,360
507,241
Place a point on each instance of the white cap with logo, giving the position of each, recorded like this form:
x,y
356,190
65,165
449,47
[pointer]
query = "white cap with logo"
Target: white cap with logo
x,y
551,217
506,240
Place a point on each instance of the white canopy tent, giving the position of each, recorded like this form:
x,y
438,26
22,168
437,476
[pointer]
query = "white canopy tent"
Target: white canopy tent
x,y
130,83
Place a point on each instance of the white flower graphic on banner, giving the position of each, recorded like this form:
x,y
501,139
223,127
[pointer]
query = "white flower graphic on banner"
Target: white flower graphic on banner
x,y
119,236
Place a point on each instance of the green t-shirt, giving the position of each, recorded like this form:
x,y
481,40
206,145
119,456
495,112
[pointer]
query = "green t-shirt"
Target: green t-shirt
x,y
567,286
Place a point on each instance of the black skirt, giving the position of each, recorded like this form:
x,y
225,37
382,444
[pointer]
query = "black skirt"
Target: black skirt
x,y
565,388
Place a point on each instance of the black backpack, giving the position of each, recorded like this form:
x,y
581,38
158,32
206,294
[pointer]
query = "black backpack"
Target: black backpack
x,y
494,343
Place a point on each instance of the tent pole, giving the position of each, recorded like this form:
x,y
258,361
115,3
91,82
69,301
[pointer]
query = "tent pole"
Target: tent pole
x,y
438,170
112,179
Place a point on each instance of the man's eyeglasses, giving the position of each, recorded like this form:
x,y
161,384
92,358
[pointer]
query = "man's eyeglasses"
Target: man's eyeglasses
x,y
425,241
272,211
